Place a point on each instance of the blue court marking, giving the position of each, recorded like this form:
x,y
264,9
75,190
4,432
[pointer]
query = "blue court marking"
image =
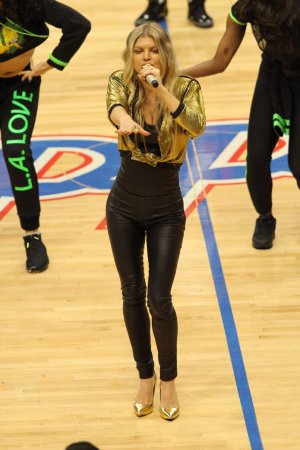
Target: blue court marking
x,y
163,23
229,327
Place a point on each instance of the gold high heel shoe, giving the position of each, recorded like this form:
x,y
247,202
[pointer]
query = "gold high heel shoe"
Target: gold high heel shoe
x,y
169,413
142,409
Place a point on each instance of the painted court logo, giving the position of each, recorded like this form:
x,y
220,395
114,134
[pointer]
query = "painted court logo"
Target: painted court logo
x,y
69,166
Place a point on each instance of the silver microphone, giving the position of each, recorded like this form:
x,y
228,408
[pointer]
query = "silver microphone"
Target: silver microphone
x,y
152,80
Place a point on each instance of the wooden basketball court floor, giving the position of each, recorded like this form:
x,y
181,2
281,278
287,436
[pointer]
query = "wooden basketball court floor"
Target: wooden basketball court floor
x,y
66,371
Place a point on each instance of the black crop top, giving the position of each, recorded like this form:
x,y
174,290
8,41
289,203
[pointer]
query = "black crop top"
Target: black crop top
x,y
18,38
149,144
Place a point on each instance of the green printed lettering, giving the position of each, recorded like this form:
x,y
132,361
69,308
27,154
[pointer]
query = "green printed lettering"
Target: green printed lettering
x,y
17,141
25,188
23,109
18,163
22,96
16,130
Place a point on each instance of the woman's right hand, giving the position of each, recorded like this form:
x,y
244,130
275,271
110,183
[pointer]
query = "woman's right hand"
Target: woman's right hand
x,y
148,69
128,126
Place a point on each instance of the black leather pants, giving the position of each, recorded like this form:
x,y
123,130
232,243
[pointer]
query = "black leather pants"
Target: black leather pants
x,y
134,219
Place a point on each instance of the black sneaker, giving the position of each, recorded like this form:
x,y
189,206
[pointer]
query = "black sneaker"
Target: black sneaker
x,y
264,232
153,13
199,16
37,258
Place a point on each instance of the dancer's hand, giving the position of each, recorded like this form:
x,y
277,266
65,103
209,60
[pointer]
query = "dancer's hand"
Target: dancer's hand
x,y
35,70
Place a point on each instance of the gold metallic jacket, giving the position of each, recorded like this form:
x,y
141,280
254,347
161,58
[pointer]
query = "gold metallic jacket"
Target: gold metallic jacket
x,y
190,123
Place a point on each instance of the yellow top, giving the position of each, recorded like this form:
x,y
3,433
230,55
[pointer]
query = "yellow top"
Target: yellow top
x,y
190,123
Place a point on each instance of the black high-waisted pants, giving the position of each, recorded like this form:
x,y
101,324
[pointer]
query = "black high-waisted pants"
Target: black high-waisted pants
x,y
18,109
145,205
262,139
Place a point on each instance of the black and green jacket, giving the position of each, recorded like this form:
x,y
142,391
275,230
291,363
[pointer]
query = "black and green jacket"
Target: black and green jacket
x,y
18,38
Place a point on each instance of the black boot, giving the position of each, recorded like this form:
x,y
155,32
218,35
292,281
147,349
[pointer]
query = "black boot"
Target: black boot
x,y
153,13
264,232
198,15
37,258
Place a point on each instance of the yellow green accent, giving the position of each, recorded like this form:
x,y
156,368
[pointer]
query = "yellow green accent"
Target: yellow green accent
x,y
22,30
281,123
57,61
236,20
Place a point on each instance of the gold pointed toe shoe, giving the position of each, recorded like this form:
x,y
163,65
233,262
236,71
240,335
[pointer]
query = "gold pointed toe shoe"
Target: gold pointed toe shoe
x,y
169,413
143,409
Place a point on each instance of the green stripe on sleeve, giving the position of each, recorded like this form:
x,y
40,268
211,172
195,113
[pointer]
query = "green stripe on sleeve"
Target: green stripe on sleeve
x,y
236,20
57,61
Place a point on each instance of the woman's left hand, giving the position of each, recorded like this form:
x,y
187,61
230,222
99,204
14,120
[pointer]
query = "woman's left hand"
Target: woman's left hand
x,y
35,70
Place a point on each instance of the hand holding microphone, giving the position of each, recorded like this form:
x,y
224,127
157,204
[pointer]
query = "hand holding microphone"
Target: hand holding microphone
x,y
152,80
150,77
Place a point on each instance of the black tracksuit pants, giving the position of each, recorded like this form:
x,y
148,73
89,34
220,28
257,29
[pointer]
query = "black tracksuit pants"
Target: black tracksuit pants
x,y
262,139
18,109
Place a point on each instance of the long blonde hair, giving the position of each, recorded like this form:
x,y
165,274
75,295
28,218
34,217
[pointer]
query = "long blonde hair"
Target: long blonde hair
x,y
169,69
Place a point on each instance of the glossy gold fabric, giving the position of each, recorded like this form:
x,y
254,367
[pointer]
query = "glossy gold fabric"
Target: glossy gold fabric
x,y
189,124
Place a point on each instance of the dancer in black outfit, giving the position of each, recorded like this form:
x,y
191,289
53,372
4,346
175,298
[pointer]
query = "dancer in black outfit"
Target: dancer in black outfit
x,y
275,106
23,28
145,202
158,10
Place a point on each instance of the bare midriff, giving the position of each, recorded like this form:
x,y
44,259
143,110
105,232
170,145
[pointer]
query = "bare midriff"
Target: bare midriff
x,y
14,66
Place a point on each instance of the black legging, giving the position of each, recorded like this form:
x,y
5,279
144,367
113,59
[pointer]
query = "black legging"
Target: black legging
x,y
157,218
262,140
18,109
